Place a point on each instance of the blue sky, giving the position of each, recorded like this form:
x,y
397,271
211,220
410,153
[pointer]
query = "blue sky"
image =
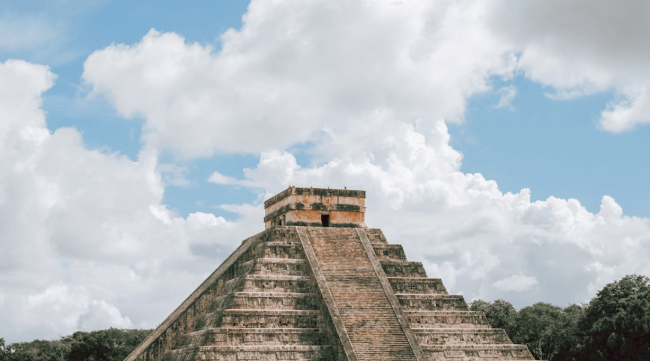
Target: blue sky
x,y
555,148
180,141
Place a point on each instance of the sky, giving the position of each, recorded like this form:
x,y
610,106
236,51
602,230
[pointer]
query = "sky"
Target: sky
x,y
504,144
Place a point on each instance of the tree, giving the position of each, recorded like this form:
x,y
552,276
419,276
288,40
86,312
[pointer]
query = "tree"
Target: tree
x,y
106,345
616,323
3,350
535,326
500,314
567,333
37,350
479,305
503,315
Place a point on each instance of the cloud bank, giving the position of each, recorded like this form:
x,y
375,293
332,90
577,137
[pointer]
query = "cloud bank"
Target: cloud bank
x,y
85,238
88,243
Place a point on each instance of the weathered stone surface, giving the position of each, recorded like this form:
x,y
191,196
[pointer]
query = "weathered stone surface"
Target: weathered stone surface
x,y
316,207
324,293
365,310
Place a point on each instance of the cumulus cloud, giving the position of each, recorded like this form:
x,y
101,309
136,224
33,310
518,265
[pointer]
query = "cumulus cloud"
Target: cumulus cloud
x,y
582,47
84,232
60,308
296,67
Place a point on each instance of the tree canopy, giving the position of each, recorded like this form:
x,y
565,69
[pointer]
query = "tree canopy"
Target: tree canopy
x,y
105,345
548,331
616,324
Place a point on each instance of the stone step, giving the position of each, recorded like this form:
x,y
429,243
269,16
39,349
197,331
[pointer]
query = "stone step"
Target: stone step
x,y
262,336
284,234
279,266
375,235
275,300
235,318
277,284
365,311
462,336
387,252
233,285
446,319
264,353
368,353
281,250
432,302
489,352
417,285
399,268
254,336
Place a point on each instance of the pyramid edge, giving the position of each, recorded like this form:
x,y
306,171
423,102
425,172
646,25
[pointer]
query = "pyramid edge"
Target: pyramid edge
x,y
243,247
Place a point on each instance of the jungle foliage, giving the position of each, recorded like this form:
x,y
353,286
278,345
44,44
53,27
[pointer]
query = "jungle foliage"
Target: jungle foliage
x,y
614,325
105,345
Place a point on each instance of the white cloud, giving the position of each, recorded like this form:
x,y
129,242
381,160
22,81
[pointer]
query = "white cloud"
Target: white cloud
x,y
582,47
516,283
59,309
298,67
84,233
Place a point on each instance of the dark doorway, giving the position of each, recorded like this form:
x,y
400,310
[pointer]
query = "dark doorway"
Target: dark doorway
x,y
325,218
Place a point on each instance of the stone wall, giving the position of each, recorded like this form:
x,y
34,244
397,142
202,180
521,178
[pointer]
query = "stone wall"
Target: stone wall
x,y
305,206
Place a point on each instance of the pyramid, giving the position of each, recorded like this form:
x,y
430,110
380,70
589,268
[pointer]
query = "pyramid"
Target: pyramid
x,y
317,284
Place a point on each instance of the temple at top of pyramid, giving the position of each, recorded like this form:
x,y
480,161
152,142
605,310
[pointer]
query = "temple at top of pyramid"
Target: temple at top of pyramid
x,y
316,207
317,284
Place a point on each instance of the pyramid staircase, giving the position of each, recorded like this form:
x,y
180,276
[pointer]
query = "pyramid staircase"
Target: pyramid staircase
x,y
443,325
315,293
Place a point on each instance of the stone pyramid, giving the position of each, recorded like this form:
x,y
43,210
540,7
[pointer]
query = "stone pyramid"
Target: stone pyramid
x,y
318,285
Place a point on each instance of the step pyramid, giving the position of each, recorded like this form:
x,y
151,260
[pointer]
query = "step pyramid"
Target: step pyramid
x,y
323,293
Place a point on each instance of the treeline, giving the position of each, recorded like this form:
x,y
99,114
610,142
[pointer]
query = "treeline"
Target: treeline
x,y
105,345
615,325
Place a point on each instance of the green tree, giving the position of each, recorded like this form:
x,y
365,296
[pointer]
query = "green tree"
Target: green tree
x,y
616,323
37,350
535,327
106,345
503,315
549,331
3,350
500,314
567,333
479,305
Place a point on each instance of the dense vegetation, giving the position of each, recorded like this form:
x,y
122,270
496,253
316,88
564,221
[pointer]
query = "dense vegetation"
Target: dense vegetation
x,y
106,345
615,325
